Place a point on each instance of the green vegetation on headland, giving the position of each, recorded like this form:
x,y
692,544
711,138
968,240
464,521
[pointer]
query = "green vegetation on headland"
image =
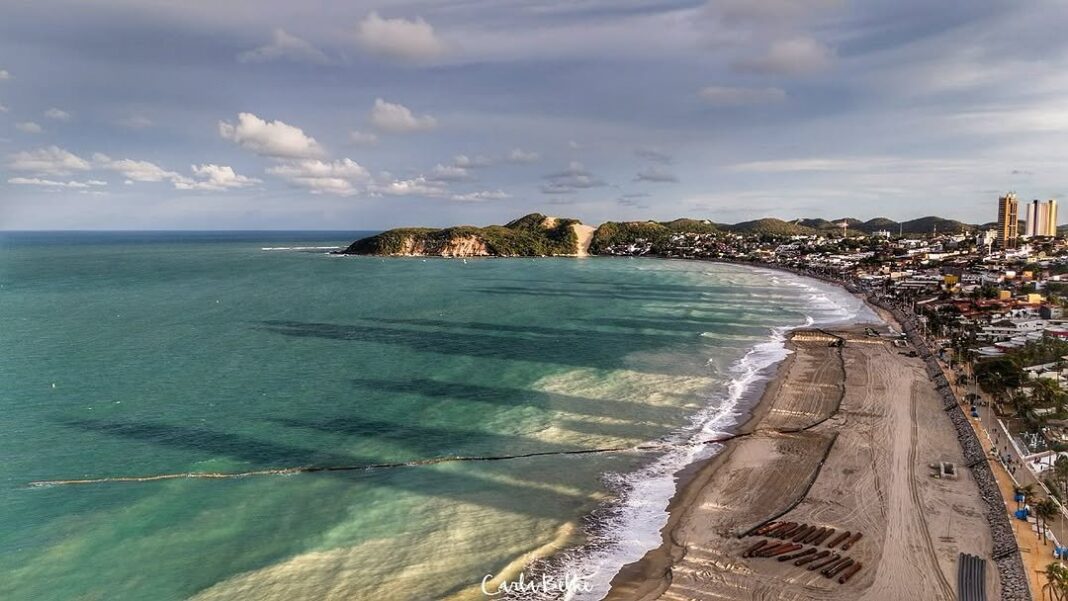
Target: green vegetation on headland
x,y
613,234
528,236
539,235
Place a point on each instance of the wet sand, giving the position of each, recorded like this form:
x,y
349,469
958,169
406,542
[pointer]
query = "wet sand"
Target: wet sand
x,y
843,437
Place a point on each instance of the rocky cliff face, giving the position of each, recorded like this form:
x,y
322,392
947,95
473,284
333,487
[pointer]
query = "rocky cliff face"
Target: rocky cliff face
x,y
459,246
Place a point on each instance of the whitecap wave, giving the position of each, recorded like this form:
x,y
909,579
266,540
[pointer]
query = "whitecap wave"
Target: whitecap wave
x,y
300,248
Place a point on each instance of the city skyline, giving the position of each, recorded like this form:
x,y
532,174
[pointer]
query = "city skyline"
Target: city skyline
x,y
146,115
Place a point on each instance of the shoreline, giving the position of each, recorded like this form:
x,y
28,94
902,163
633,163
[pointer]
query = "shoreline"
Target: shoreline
x,y
749,410
646,578
654,574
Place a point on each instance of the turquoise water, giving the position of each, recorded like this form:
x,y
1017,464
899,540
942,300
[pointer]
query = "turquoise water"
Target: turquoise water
x,y
146,354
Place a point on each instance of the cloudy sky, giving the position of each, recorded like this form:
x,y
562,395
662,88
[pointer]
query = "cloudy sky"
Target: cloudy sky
x,y
158,114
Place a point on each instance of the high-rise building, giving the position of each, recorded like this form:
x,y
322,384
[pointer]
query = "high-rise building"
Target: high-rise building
x,y
1008,220
1041,218
1031,219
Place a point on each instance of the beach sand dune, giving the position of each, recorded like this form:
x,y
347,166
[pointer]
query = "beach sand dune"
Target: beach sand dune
x,y
843,438
584,233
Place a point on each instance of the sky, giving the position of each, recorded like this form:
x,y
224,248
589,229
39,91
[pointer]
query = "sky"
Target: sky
x,y
269,114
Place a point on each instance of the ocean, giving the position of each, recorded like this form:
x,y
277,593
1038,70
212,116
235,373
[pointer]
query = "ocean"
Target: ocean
x,y
138,359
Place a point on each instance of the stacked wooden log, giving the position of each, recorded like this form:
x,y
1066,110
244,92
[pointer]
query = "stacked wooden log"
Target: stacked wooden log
x,y
788,541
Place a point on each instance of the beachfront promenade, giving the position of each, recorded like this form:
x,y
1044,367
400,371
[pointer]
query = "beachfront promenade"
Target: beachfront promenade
x,y
1035,553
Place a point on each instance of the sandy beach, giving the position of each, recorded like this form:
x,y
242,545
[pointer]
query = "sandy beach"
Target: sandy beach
x,y
843,437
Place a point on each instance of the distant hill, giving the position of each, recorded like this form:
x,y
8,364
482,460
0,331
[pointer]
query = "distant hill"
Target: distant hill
x,y
617,233
772,226
927,225
816,224
622,233
877,224
693,226
824,224
923,225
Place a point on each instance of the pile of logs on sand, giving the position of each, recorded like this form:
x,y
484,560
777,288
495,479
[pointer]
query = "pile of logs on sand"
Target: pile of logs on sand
x,y
971,578
786,541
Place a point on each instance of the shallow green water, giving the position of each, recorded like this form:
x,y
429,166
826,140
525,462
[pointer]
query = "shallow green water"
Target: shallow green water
x,y
152,354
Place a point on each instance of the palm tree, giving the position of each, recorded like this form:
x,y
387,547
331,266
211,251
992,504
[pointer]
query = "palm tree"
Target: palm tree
x,y
1056,587
1044,510
1060,471
1046,392
1023,403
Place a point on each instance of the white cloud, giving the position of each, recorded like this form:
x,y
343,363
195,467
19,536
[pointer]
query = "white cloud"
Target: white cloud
x,y
730,96
49,183
135,122
890,165
51,160
468,162
270,138
482,196
346,168
328,185
656,174
448,173
419,186
397,118
518,155
791,56
57,161
208,176
138,171
3,109
363,137
57,114
215,177
4,75
1049,117
410,40
29,127
284,46
340,177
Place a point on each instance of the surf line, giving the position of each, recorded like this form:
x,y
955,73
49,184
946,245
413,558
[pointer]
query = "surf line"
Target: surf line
x,y
314,469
